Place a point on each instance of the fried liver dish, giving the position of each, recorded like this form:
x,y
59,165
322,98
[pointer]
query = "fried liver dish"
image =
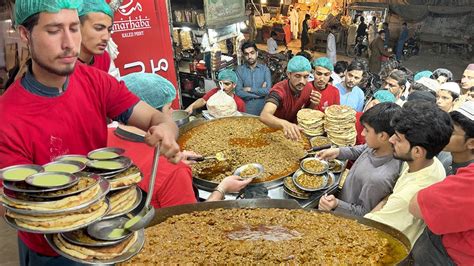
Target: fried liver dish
x,y
243,140
299,237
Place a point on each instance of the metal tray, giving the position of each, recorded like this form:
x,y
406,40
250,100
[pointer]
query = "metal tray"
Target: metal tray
x,y
72,157
104,189
93,176
294,195
69,237
300,172
37,168
341,163
210,185
133,250
127,186
117,151
135,205
72,179
325,164
80,165
164,213
11,221
125,161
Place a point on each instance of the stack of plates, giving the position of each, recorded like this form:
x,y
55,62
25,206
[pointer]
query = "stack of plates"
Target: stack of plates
x,y
340,125
311,121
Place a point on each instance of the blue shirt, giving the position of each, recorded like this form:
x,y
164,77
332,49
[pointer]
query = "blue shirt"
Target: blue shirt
x,y
253,78
354,98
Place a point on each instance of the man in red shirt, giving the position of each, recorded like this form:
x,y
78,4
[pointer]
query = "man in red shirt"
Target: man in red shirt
x,y
96,18
60,107
323,93
447,207
287,97
228,79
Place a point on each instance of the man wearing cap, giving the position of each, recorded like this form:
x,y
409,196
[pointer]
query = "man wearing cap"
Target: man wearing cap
x,y
323,94
60,107
421,74
96,18
227,81
447,207
351,94
425,84
448,92
467,81
287,97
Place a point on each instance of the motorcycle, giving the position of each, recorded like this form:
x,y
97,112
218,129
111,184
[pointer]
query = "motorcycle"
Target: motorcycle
x,y
361,46
276,63
410,48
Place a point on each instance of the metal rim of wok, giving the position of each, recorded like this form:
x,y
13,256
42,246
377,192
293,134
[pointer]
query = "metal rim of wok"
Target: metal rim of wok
x,y
210,185
164,213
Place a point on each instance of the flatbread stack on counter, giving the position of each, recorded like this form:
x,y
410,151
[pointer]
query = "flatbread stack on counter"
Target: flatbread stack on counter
x,y
311,121
340,125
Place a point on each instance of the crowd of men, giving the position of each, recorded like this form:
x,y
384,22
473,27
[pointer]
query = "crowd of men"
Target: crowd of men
x,y
413,166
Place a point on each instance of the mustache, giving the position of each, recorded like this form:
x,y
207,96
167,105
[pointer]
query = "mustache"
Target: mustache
x,y
68,53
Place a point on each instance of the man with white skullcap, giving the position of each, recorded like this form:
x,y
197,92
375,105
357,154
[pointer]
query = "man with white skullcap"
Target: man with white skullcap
x,y
446,95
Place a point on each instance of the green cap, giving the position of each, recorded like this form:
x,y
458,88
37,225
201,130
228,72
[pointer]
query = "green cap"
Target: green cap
x,y
384,96
227,74
27,8
421,74
323,62
96,6
150,88
299,64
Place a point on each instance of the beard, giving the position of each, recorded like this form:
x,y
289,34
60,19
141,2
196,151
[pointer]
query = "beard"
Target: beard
x,y
66,71
403,157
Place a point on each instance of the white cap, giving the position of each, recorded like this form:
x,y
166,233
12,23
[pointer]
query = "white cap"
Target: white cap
x,y
451,86
467,109
429,83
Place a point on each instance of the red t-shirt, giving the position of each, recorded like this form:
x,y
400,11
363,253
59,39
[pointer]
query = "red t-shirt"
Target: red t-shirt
x,y
173,183
36,129
240,103
102,62
448,210
359,127
290,103
329,96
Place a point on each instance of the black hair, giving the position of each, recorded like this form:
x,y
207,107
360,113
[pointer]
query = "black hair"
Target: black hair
x,y
307,16
381,31
273,33
385,24
399,76
404,24
340,66
465,123
248,44
357,65
379,117
305,55
419,87
453,95
362,19
424,125
374,18
31,22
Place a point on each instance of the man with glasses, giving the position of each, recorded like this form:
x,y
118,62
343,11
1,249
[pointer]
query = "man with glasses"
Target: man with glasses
x,y
421,132
254,80
287,97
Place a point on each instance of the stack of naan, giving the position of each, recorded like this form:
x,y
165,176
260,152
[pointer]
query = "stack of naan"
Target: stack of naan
x,y
126,178
311,121
123,200
340,125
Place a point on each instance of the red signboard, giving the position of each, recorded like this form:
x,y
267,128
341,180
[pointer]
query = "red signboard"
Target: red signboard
x,y
141,31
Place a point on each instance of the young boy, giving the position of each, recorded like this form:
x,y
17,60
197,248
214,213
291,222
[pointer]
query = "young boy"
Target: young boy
x,y
446,96
228,78
374,172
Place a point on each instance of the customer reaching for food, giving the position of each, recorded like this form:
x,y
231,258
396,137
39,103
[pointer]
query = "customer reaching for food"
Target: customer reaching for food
x,y
174,182
287,97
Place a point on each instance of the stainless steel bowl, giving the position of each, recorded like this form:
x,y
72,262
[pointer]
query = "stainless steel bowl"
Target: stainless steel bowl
x,y
180,117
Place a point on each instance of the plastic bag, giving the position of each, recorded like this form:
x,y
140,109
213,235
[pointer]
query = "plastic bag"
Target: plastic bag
x,y
221,105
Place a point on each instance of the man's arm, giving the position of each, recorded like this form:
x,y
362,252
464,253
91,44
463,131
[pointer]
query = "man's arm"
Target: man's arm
x,y
414,207
161,129
199,103
239,88
264,90
267,117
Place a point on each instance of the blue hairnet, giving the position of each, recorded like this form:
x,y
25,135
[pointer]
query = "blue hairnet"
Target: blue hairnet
x,y
227,74
26,8
150,88
96,6
384,96
299,64
323,62
421,74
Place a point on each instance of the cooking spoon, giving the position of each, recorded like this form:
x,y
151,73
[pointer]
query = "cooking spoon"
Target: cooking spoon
x,y
113,229
219,157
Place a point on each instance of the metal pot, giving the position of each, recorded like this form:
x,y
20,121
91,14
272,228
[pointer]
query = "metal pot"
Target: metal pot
x,y
180,117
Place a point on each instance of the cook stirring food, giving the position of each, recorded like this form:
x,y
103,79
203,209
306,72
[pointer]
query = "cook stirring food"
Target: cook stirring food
x,y
61,107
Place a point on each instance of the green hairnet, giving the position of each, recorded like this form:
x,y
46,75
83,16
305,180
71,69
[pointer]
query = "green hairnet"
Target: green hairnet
x,y
323,62
299,64
227,74
424,73
151,88
26,8
98,6
384,96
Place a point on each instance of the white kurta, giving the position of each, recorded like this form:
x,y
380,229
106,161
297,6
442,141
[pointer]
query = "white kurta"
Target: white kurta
x,y
294,19
331,48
